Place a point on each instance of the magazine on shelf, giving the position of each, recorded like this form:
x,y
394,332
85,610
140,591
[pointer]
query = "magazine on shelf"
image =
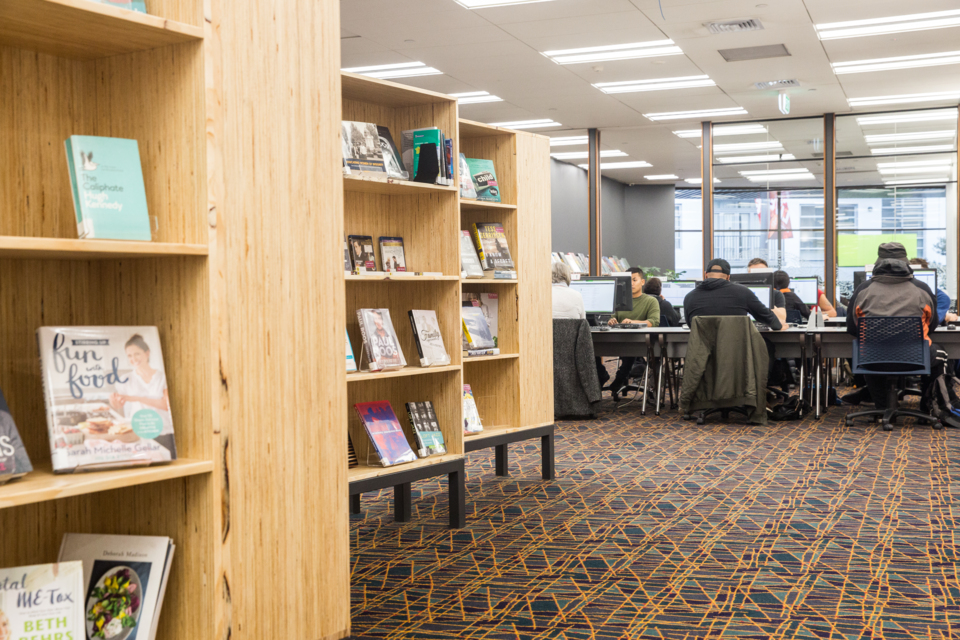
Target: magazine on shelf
x,y
106,397
410,142
476,332
385,432
361,253
380,342
14,461
489,304
106,180
351,361
471,415
490,241
360,145
42,601
125,579
426,428
469,262
426,334
392,258
467,190
392,161
484,178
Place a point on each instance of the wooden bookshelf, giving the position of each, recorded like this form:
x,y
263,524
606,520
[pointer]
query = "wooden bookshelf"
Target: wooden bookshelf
x,y
364,472
68,249
367,183
502,356
489,281
467,204
362,376
386,277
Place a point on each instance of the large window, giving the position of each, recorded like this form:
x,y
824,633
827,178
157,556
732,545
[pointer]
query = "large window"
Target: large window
x,y
688,228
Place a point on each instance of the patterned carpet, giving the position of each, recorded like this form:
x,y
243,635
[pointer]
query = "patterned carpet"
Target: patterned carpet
x,y
657,528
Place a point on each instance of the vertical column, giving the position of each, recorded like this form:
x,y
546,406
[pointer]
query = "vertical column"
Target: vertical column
x,y
953,224
593,178
706,189
830,206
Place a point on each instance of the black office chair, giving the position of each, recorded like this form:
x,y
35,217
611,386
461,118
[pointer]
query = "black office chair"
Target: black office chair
x,y
892,346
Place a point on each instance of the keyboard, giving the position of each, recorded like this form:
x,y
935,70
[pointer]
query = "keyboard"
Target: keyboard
x,y
627,326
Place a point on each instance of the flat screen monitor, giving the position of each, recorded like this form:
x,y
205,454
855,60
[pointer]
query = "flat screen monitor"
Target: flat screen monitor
x,y
806,289
859,277
928,277
757,277
763,292
599,295
624,298
675,291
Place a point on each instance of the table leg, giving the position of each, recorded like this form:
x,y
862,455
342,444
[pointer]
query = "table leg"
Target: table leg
x,y
502,460
660,380
547,455
401,502
646,379
355,504
457,498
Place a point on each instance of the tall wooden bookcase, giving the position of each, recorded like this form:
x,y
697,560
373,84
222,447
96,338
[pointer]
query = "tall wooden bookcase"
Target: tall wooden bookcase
x,y
514,390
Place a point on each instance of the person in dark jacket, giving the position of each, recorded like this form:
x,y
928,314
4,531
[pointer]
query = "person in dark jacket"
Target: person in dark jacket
x,y
668,315
717,296
792,302
893,291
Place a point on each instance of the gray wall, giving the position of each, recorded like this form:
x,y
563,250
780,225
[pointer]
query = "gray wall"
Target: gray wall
x,y
637,220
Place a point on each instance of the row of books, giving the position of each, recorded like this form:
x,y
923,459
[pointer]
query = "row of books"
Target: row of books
x,y
390,442
484,249
580,263
102,586
425,155
381,348
107,403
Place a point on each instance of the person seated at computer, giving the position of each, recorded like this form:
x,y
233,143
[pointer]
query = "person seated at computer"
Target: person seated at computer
x,y
717,296
567,303
781,282
759,265
943,298
893,291
646,313
826,308
668,315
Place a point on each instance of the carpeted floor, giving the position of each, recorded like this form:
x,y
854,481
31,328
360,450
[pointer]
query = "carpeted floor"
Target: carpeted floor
x,y
657,528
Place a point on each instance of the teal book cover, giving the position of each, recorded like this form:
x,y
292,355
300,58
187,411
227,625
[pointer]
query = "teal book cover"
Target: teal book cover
x,y
427,136
484,179
132,5
108,193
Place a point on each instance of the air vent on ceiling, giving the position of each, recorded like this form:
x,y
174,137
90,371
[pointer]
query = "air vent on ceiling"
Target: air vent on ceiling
x,y
777,84
840,154
754,53
734,26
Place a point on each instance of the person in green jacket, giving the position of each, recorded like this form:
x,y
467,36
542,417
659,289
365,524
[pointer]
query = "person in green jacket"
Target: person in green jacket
x,y
645,312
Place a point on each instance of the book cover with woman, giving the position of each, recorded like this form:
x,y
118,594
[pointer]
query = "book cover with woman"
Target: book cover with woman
x,y
107,399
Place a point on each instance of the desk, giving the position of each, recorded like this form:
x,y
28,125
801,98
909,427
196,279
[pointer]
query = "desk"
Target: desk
x,y
631,343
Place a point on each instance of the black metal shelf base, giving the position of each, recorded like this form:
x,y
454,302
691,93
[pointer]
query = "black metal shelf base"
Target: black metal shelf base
x,y
501,441
400,481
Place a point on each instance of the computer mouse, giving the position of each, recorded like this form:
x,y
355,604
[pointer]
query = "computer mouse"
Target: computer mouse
x,y
951,327
604,328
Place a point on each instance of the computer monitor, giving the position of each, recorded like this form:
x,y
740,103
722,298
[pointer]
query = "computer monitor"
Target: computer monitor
x,y
928,277
624,299
676,290
806,289
859,277
599,294
763,292
757,277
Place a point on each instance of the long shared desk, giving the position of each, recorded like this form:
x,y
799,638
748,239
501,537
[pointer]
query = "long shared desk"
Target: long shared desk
x,y
823,344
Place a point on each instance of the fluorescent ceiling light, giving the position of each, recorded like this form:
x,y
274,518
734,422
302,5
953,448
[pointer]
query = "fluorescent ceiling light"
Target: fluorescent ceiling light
x,y
781,177
737,147
907,97
577,155
401,70
474,97
930,148
660,84
699,180
731,130
527,124
916,163
901,62
651,49
665,176
761,172
916,181
746,159
567,141
917,136
945,169
701,113
487,4
633,164
893,24
921,116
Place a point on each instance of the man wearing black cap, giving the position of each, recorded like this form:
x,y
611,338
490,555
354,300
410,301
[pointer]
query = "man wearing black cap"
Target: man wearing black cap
x,y
717,296
893,291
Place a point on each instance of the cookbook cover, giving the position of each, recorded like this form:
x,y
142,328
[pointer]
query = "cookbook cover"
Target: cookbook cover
x,y
106,396
426,334
42,601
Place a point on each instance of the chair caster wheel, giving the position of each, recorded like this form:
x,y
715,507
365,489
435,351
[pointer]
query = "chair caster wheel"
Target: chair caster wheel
x,y
700,421
887,426
848,423
937,425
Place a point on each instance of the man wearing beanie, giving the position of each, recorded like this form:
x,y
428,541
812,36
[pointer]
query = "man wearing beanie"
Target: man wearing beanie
x,y
893,291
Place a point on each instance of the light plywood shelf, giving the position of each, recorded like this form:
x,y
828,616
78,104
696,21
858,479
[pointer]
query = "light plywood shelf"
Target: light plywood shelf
x,y
502,356
488,281
502,430
352,277
363,472
389,94
361,376
41,485
83,29
482,205
73,249
391,186
473,129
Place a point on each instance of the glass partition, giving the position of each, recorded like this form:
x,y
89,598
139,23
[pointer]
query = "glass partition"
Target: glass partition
x,y
688,233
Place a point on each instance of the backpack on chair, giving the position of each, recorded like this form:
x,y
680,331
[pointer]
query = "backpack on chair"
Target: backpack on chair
x,y
937,398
